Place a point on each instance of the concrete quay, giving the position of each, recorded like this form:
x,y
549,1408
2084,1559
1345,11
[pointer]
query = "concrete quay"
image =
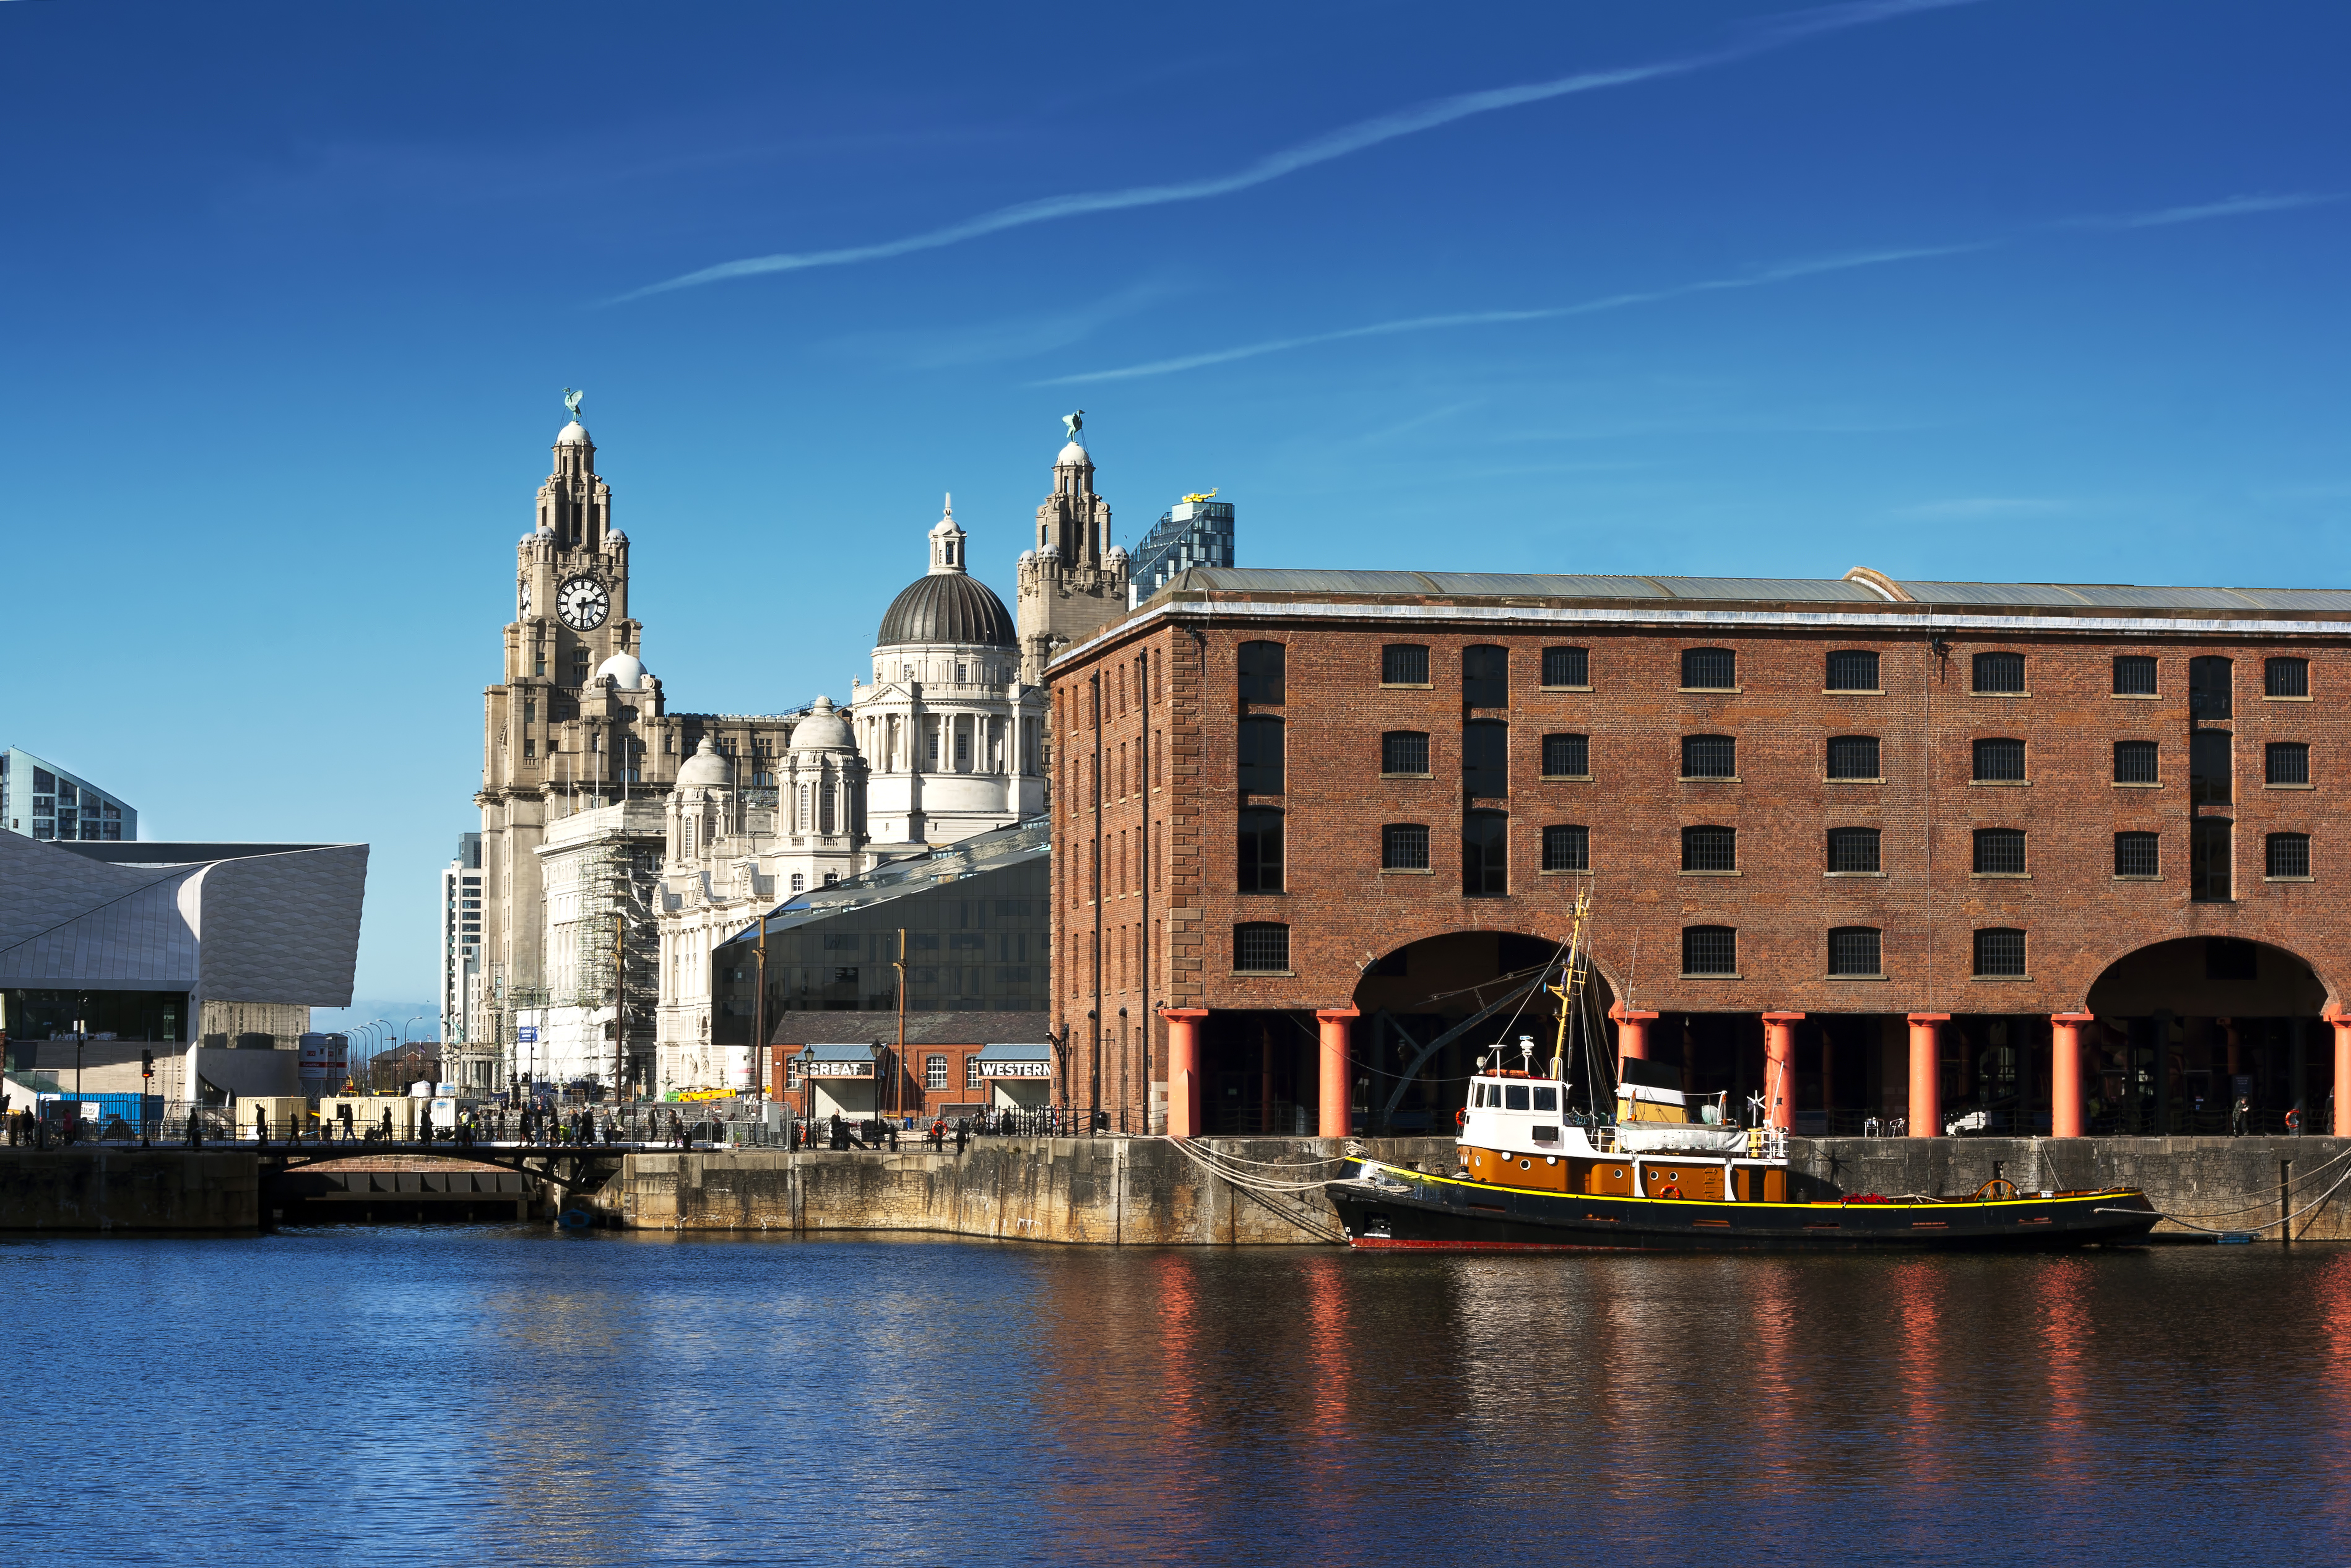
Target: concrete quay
x,y
128,1190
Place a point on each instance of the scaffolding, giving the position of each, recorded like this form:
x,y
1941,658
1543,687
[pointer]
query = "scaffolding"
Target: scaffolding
x,y
618,946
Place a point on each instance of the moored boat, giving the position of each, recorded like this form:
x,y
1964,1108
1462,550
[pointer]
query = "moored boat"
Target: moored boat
x,y
1670,1169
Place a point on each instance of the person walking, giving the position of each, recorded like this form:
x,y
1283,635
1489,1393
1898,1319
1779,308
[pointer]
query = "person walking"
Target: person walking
x,y
261,1125
963,1134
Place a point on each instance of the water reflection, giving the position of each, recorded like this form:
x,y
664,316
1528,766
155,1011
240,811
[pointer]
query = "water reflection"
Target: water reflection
x,y
503,1394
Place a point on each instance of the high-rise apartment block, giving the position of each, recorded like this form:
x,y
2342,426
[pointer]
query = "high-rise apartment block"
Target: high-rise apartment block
x,y
42,800
460,941
1196,531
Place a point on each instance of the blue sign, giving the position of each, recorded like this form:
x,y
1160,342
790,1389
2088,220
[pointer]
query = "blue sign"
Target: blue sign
x,y
527,1034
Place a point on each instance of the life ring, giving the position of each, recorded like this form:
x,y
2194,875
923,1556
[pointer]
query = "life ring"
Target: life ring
x,y
1672,1190
2293,1121
1461,1118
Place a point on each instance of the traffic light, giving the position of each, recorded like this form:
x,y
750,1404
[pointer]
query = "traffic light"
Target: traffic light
x,y
146,1064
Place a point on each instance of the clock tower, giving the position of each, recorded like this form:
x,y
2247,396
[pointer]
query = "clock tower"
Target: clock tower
x,y
579,751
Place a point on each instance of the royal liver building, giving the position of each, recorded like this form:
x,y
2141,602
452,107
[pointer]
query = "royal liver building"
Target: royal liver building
x,y
579,752
621,843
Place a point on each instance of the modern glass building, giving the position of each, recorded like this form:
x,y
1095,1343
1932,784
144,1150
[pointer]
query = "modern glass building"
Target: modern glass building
x,y
42,800
1192,533
975,916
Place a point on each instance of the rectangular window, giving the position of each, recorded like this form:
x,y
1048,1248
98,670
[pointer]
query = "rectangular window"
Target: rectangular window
x,y
2286,762
1709,669
2210,690
1403,846
1404,665
1260,948
1486,676
2285,678
971,1072
530,747
1710,757
1709,950
1567,849
1853,756
1999,952
1999,674
1261,755
1484,840
1262,673
2135,854
2210,780
1567,756
2289,855
1999,852
1261,852
1999,761
1709,849
530,712
934,1072
2135,762
1485,759
2135,675
1853,850
1404,752
1566,667
1853,951
2209,861
1852,669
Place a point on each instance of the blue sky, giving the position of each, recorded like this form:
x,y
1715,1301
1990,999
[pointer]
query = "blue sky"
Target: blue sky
x,y
2014,288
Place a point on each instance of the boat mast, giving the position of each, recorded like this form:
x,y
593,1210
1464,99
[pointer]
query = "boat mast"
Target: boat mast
x,y
1572,977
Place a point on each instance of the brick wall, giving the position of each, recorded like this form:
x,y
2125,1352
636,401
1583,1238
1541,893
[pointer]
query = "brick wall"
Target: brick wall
x,y
1140,943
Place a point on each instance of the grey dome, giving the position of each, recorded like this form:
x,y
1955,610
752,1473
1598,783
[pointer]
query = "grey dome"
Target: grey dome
x,y
946,607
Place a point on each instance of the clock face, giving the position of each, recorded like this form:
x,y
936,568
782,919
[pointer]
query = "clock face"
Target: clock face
x,y
584,603
522,601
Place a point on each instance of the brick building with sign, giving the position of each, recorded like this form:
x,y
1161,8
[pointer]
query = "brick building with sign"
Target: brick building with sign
x,y
1859,847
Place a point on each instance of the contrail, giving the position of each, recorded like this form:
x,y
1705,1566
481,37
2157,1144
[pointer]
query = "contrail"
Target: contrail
x,y
2233,207
1338,144
1783,273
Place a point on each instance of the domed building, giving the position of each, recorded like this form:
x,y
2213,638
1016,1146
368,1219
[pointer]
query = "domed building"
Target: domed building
x,y
730,853
951,735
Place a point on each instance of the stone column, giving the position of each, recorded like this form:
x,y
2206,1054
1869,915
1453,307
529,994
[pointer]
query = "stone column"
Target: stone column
x,y
2065,1073
1780,1069
2342,1024
1333,1120
1183,1069
1926,1076
1632,1035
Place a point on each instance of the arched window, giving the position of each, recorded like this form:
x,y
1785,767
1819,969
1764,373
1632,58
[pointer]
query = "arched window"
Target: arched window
x,y
1709,849
1709,670
1709,950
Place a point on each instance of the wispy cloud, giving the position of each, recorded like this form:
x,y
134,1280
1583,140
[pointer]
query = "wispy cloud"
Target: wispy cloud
x,y
2233,207
1008,338
1783,273
1777,33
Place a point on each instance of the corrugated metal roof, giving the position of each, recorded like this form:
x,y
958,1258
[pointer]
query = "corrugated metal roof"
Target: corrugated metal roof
x,y
2127,597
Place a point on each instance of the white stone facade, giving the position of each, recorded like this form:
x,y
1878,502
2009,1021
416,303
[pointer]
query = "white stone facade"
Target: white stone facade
x,y
954,736
726,863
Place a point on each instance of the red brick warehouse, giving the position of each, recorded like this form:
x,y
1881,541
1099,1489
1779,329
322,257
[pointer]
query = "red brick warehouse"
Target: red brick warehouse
x,y
1863,848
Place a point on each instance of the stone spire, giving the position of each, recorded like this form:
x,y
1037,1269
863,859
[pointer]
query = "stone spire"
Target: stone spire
x,y
1074,582
946,543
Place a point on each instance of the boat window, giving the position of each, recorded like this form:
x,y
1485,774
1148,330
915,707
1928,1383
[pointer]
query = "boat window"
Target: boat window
x,y
1546,1134
1477,1096
1514,1097
1546,1099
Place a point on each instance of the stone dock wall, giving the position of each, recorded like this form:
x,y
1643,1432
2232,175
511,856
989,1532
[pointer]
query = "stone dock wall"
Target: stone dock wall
x,y
128,1190
1093,1191
1151,1192
2224,1184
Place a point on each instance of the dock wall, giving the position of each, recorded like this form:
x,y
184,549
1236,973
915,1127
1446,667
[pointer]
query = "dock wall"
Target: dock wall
x,y
2232,1184
129,1191
1095,1191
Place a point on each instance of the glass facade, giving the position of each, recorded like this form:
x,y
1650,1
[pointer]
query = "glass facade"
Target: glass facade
x,y
975,913
1190,533
29,1015
41,800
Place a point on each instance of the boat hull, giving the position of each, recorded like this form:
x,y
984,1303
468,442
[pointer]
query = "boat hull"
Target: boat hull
x,y
1444,1214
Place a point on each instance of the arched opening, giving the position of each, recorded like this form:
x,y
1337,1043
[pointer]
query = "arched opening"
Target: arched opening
x,y
1429,1007
2206,1034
